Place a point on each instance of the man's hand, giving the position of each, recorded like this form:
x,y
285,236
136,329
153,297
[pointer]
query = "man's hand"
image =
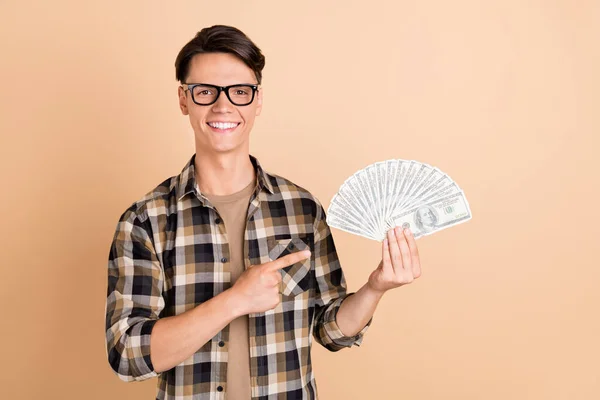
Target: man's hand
x,y
400,262
257,289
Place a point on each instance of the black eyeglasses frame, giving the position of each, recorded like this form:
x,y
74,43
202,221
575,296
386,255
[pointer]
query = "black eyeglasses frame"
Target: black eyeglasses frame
x,y
191,86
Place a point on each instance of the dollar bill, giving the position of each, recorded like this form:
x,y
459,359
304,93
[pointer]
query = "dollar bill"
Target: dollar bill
x,y
391,173
339,223
353,193
346,210
444,191
401,174
424,177
427,218
363,178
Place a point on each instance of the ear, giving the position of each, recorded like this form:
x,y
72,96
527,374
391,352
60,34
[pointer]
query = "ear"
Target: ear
x,y
259,99
182,100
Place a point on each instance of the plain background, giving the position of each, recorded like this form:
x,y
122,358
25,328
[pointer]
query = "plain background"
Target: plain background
x,y
502,95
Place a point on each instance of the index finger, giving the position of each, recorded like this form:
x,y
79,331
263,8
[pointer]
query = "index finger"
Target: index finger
x,y
288,260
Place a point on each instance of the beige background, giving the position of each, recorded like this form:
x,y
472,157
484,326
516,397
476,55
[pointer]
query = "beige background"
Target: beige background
x,y
502,95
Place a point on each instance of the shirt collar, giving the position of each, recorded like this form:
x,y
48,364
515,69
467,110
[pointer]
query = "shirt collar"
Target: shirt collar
x,y
187,178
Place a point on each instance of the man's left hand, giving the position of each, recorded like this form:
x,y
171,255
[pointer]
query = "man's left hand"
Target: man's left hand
x,y
400,262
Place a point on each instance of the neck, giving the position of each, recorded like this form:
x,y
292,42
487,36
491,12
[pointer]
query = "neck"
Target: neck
x,y
223,174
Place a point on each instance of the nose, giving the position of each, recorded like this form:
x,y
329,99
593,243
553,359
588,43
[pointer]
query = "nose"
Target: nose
x,y
222,104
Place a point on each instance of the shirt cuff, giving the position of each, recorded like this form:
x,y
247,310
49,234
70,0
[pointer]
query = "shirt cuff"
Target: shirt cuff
x,y
334,332
140,364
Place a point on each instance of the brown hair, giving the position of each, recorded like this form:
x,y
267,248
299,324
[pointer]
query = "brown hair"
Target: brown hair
x,y
220,39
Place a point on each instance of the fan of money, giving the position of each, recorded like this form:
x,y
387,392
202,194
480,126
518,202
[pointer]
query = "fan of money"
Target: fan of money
x,y
394,193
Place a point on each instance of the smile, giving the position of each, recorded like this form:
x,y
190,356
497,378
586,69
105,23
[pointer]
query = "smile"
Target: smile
x,y
223,126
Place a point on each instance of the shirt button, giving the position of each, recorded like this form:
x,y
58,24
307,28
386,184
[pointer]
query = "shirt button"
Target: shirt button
x,y
221,343
219,388
218,221
291,246
224,259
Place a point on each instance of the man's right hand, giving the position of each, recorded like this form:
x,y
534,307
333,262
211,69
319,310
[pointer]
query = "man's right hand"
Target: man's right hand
x,y
257,289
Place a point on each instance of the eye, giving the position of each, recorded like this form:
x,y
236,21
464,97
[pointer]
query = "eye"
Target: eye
x,y
203,91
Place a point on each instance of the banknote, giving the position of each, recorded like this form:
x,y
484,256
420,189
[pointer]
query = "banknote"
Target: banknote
x,y
373,187
352,192
364,178
391,171
338,223
409,173
347,211
402,169
444,191
422,177
427,184
427,218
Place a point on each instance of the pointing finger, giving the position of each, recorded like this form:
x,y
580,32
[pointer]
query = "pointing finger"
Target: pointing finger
x,y
288,260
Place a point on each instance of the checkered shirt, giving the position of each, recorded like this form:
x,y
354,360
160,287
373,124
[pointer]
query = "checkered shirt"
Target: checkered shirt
x,y
170,253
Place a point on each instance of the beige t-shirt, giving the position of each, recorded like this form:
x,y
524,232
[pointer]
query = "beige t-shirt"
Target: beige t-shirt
x,y
233,209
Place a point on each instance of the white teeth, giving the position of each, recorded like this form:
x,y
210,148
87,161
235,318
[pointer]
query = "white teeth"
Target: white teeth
x,y
223,125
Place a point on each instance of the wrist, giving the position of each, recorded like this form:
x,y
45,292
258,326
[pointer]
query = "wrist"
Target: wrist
x,y
233,303
373,292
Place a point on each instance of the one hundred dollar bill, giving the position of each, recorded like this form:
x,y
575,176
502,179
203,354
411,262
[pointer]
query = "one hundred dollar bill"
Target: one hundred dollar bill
x,y
427,218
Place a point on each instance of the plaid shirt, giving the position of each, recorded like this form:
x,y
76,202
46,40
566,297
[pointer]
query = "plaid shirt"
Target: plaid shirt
x,y
170,253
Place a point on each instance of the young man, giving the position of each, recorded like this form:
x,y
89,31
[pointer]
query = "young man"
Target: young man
x,y
219,278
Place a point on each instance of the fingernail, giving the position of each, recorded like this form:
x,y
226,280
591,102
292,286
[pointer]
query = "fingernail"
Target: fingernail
x,y
393,232
407,231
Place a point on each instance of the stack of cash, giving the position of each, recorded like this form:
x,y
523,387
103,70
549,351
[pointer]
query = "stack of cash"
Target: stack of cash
x,y
394,193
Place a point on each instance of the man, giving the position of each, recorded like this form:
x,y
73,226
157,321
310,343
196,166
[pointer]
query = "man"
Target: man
x,y
219,278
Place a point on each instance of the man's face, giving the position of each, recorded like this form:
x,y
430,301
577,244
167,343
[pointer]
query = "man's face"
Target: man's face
x,y
426,217
220,69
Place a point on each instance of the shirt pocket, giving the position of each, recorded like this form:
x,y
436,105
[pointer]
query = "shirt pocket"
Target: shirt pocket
x,y
295,277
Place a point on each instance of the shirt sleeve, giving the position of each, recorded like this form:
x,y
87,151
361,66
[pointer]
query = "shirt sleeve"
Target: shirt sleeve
x,y
330,289
134,299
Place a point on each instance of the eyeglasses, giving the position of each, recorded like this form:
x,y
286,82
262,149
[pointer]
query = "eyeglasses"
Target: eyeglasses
x,y
204,94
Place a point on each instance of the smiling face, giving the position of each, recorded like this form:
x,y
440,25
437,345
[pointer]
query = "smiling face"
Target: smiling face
x,y
220,127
